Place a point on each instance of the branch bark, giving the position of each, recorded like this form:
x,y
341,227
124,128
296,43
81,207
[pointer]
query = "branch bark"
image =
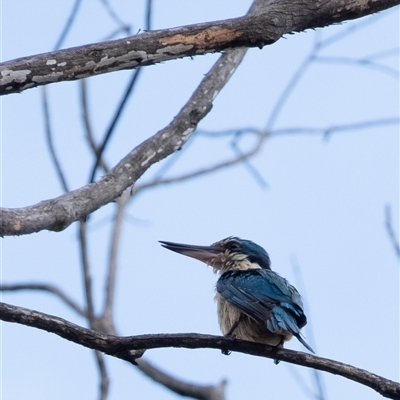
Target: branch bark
x,y
120,347
57,214
275,19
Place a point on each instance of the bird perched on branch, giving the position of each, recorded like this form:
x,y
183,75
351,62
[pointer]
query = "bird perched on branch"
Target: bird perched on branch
x,y
254,303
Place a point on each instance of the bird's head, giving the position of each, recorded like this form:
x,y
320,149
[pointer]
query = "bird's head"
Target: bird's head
x,y
227,254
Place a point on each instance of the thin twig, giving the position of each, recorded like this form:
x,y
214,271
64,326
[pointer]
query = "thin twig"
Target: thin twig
x,y
385,54
308,391
113,15
94,323
389,228
316,375
313,56
44,287
87,124
289,88
203,171
107,315
128,91
104,379
362,62
50,143
186,389
111,129
86,273
337,128
68,24
249,166
45,105
149,14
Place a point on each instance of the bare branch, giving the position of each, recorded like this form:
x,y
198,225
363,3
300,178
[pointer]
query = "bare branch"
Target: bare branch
x,y
225,164
113,15
362,62
337,128
59,213
49,141
104,380
68,24
128,91
94,322
87,124
195,391
389,228
289,88
87,278
118,346
111,129
44,287
276,18
112,263
316,375
149,12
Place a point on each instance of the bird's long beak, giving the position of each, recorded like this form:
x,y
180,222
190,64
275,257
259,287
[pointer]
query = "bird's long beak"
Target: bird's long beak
x,y
202,253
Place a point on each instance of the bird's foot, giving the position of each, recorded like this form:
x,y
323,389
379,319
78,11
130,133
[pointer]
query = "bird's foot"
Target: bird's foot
x,y
278,347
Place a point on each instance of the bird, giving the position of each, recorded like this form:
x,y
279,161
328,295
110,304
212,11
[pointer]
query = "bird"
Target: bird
x,y
254,303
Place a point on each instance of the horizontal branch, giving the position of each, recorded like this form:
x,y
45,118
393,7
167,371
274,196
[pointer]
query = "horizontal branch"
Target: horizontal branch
x,y
276,18
120,346
44,287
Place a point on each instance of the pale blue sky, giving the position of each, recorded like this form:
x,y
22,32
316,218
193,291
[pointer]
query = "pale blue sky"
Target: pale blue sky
x,y
324,205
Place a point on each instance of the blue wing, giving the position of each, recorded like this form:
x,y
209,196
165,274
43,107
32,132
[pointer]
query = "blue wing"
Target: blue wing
x,y
265,296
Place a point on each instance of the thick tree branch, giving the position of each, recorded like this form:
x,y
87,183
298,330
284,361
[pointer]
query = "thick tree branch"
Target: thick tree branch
x,y
120,347
275,19
59,213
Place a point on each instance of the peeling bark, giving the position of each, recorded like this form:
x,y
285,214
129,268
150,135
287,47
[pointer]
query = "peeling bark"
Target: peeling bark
x,y
273,20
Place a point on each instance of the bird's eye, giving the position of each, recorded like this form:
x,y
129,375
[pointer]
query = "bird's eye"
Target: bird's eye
x,y
234,246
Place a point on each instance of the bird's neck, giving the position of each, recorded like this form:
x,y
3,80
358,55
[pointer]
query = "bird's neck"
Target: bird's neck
x,y
237,263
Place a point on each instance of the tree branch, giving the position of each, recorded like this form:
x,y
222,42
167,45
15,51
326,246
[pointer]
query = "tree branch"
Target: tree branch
x,y
195,391
107,314
119,347
86,274
50,143
275,19
87,123
390,231
57,214
203,171
44,287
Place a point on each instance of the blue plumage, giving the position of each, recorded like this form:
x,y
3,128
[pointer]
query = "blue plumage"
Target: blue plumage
x,y
265,296
254,302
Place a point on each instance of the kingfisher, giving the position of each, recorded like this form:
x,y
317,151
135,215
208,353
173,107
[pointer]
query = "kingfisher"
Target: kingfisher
x,y
253,302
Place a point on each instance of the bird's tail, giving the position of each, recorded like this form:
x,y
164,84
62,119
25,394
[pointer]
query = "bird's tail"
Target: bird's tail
x,y
303,342
285,317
